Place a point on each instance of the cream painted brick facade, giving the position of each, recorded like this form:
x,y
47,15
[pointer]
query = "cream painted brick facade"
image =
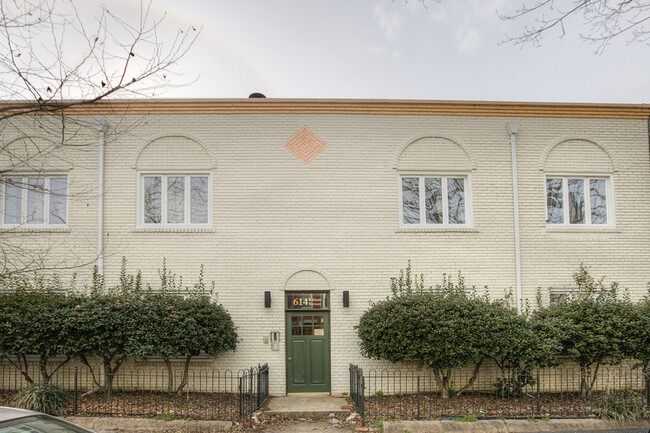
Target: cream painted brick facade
x,y
338,214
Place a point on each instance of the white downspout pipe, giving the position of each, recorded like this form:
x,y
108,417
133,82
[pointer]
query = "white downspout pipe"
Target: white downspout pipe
x,y
512,128
101,126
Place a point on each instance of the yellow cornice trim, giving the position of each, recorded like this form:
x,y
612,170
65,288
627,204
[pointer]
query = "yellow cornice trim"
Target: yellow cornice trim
x,y
361,106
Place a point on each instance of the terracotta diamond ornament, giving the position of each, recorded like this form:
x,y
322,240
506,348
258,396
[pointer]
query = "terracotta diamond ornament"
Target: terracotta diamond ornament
x,y
305,145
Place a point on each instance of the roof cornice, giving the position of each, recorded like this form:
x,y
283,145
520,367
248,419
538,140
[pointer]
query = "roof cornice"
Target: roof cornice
x,y
358,106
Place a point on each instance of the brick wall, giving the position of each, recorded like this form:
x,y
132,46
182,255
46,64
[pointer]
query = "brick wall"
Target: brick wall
x,y
274,215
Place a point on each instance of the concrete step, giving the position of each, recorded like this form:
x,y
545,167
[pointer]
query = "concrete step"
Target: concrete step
x,y
308,406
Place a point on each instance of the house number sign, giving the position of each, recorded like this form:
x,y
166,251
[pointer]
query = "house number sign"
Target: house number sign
x,y
306,301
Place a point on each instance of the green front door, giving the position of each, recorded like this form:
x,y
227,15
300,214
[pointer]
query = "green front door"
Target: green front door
x,y
308,351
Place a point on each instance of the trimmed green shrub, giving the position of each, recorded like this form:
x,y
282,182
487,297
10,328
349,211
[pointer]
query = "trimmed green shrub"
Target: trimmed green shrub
x,y
443,327
111,324
592,327
37,317
184,327
639,335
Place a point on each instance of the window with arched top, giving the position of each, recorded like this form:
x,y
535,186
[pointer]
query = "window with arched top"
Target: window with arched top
x,y
578,185
434,185
174,176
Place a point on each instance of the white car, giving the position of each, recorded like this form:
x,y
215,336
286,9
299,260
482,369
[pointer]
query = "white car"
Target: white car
x,y
14,420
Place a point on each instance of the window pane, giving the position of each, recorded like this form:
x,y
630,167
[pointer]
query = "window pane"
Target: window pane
x,y
433,199
175,200
58,200
199,200
558,298
576,201
456,197
411,200
598,198
554,204
13,200
152,200
35,201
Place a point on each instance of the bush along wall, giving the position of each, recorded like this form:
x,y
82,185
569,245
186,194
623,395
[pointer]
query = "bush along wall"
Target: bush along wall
x,y
450,326
41,316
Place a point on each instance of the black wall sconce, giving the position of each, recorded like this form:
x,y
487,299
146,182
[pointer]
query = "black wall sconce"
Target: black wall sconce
x,y
267,299
346,298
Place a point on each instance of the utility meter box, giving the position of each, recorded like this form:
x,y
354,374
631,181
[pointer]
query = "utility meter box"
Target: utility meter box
x,y
275,340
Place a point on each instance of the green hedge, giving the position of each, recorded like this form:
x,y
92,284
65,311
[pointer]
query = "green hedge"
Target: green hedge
x,y
40,316
449,326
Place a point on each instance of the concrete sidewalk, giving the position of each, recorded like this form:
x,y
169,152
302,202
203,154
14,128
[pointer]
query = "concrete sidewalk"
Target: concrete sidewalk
x,y
512,426
491,426
131,424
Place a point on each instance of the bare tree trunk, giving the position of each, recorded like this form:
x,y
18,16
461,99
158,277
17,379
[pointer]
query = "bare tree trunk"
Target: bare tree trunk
x,y
186,371
472,379
593,379
588,379
170,377
109,374
43,366
21,366
442,380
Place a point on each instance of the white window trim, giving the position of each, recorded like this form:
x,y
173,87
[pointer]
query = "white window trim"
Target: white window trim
x,y
609,188
445,205
140,224
46,205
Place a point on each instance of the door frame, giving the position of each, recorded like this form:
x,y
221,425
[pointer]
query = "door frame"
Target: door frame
x,y
325,312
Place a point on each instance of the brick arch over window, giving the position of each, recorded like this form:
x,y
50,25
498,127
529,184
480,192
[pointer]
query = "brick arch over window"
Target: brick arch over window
x,y
35,154
174,153
577,156
434,154
307,281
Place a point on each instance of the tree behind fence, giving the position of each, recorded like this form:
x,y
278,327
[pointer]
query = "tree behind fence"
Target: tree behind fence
x,y
552,392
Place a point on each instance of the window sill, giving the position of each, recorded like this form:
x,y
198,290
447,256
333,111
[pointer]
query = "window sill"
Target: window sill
x,y
437,230
40,229
173,230
583,229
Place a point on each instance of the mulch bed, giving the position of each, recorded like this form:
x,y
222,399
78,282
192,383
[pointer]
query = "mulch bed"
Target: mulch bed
x,y
152,404
430,405
186,405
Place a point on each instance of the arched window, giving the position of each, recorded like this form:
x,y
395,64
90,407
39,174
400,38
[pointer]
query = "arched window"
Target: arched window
x,y
434,185
578,185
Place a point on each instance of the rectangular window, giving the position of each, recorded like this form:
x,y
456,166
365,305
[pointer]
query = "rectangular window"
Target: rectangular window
x,y
577,201
559,296
178,200
34,201
434,201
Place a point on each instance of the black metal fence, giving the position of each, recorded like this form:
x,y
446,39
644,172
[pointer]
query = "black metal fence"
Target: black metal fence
x,y
253,390
207,394
357,388
555,393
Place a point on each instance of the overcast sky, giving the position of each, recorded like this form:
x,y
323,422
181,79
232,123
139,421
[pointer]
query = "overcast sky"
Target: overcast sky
x,y
447,50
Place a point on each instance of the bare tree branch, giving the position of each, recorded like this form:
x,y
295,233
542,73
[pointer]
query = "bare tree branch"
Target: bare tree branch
x,y
55,55
605,19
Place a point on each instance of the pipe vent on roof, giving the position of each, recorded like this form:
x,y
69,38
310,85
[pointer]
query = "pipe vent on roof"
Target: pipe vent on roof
x,y
256,95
